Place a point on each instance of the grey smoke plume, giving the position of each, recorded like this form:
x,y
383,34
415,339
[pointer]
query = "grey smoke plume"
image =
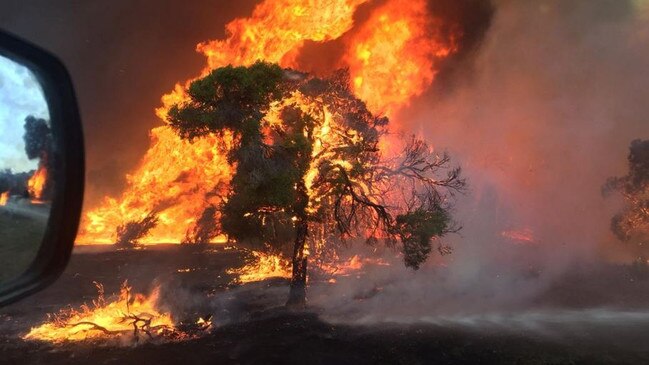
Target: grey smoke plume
x,y
556,93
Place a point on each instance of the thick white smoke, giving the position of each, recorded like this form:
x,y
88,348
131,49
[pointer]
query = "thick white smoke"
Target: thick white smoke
x,y
555,94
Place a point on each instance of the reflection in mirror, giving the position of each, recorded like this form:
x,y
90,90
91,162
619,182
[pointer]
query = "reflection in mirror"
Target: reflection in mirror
x,y
25,158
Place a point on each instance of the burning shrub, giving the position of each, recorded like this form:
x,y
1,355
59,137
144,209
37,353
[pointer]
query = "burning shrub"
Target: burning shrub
x,y
633,221
206,228
261,266
306,153
129,233
639,269
129,314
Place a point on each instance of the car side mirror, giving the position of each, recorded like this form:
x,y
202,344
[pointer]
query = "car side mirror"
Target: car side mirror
x,y
41,168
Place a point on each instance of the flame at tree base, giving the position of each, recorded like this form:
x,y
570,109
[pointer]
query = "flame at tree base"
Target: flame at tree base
x,y
264,266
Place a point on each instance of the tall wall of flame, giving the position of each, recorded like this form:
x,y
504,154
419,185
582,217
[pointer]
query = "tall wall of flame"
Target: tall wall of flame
x,y
391,58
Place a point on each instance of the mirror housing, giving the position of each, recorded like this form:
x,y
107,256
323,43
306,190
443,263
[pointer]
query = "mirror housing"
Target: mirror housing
x,y
56,248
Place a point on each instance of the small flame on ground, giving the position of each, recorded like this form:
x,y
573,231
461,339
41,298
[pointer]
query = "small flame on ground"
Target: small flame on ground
x,y
129,315
262,266
351,266
4,198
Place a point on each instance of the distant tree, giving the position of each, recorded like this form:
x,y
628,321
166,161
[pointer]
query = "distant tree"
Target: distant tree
x,y
306,154
38,138
633,221
38,145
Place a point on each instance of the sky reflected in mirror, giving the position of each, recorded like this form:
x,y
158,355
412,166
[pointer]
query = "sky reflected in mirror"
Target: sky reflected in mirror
x,y
20,95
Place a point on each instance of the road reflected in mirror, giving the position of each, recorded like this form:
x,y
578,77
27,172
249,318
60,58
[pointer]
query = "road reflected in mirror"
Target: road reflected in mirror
x,y
25,158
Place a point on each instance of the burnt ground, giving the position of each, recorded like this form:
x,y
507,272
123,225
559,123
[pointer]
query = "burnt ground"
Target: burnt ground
x,y
256,329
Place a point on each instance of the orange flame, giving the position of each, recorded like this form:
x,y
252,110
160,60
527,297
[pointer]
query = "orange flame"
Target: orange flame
x,y
277,30
106,319
176,178
4,198
391,60
262,266
36,183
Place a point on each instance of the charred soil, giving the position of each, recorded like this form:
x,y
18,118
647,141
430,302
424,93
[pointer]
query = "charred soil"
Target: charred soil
x,y
258,330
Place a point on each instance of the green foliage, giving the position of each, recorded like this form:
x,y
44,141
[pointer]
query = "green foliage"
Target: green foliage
x,y
416,230
264,198
233,98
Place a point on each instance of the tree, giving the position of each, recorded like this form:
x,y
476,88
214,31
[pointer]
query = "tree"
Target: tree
x,y
306,154
633,221
38,138
38,145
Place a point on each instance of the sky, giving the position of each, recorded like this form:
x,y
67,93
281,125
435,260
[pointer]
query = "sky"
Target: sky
x,y
20,95
122,56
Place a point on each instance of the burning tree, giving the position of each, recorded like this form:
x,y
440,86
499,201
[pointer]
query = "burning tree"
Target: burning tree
x,y
307,153
38,145
633,221
205,230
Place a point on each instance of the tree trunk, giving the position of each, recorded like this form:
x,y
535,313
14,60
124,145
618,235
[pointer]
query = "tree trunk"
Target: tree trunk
x,y
297,294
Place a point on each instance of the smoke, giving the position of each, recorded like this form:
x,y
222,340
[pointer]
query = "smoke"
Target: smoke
x,y
556,97
556,93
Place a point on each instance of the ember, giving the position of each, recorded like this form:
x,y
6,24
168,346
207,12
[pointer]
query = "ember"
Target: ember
x,y
524,235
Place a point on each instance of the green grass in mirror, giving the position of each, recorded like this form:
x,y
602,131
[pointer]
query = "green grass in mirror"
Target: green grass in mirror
x,y
21,234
